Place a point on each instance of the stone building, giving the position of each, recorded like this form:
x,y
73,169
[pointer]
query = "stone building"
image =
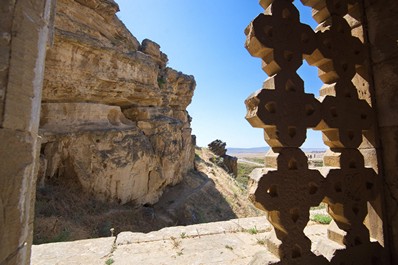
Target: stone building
x,y
355,49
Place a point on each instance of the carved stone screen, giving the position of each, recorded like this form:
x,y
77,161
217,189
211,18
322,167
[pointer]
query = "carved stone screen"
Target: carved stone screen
x,y
343,114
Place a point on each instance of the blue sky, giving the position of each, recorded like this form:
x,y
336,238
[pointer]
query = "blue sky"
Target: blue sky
x,y
205,38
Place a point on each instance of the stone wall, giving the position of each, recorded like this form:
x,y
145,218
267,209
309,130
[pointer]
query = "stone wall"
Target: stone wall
x,y
382,34
24,27
114,115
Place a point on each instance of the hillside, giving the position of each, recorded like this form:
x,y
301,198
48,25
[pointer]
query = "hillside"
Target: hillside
x,y
207,194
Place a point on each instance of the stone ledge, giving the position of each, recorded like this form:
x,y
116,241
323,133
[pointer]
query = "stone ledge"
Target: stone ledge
x,y
233,242
260,224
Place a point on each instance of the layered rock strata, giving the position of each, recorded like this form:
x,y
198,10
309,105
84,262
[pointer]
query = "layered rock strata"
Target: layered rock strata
x,y
229,163
113,116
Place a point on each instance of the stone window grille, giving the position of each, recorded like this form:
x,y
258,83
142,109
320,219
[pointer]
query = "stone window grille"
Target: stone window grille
x,y
350,185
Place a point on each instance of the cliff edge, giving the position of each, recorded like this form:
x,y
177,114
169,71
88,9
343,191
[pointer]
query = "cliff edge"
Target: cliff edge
x,y
114,117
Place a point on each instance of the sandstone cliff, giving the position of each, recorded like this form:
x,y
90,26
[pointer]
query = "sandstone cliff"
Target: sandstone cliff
x,y
114,115
207,194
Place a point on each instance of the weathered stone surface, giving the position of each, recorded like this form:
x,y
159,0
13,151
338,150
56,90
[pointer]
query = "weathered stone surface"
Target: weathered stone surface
x,y
92,251
17,194
230,242
382,30
270,159
213,243
114,116
111,164
22,106
229,163
218,147
24,28
62,118
386,77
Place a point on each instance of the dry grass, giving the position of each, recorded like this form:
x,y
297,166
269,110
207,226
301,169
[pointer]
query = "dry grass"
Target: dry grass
x,y
63,212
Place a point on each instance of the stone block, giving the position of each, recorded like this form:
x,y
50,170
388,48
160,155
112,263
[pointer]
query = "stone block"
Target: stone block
x,y
358,32
327,248
331,159
335,234
354,16
254,46
386,92
27,54
374,221
383,30
370,157
89,251
270,160
389,141
19,152
327,90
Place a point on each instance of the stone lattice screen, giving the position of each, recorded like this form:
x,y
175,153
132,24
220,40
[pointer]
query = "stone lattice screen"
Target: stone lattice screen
x,y
344,115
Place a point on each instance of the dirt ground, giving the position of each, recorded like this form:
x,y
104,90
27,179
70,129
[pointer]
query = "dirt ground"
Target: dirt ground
x,y
208,194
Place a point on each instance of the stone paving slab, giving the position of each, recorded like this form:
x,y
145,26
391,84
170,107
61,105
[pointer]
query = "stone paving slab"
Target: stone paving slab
x,y
233,242
230,242
90,251
230,248
260,224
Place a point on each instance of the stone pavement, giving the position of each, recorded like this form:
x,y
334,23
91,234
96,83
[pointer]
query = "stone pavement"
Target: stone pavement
x,y
230,242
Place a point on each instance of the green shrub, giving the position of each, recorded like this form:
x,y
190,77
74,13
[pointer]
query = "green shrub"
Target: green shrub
x,y
322,218
252,230
161,81
243,173
109,261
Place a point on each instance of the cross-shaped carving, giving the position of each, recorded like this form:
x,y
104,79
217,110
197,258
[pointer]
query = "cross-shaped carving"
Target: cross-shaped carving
x,y
348,191
282,109
280,39
287,195
338,52
344,117
285,112
323,9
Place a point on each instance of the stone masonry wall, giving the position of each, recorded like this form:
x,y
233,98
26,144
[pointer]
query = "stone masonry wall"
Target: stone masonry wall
x,y
382,33
24,28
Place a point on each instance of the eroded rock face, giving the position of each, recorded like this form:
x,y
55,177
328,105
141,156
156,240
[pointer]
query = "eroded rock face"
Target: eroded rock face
x,y
113,115
229,163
